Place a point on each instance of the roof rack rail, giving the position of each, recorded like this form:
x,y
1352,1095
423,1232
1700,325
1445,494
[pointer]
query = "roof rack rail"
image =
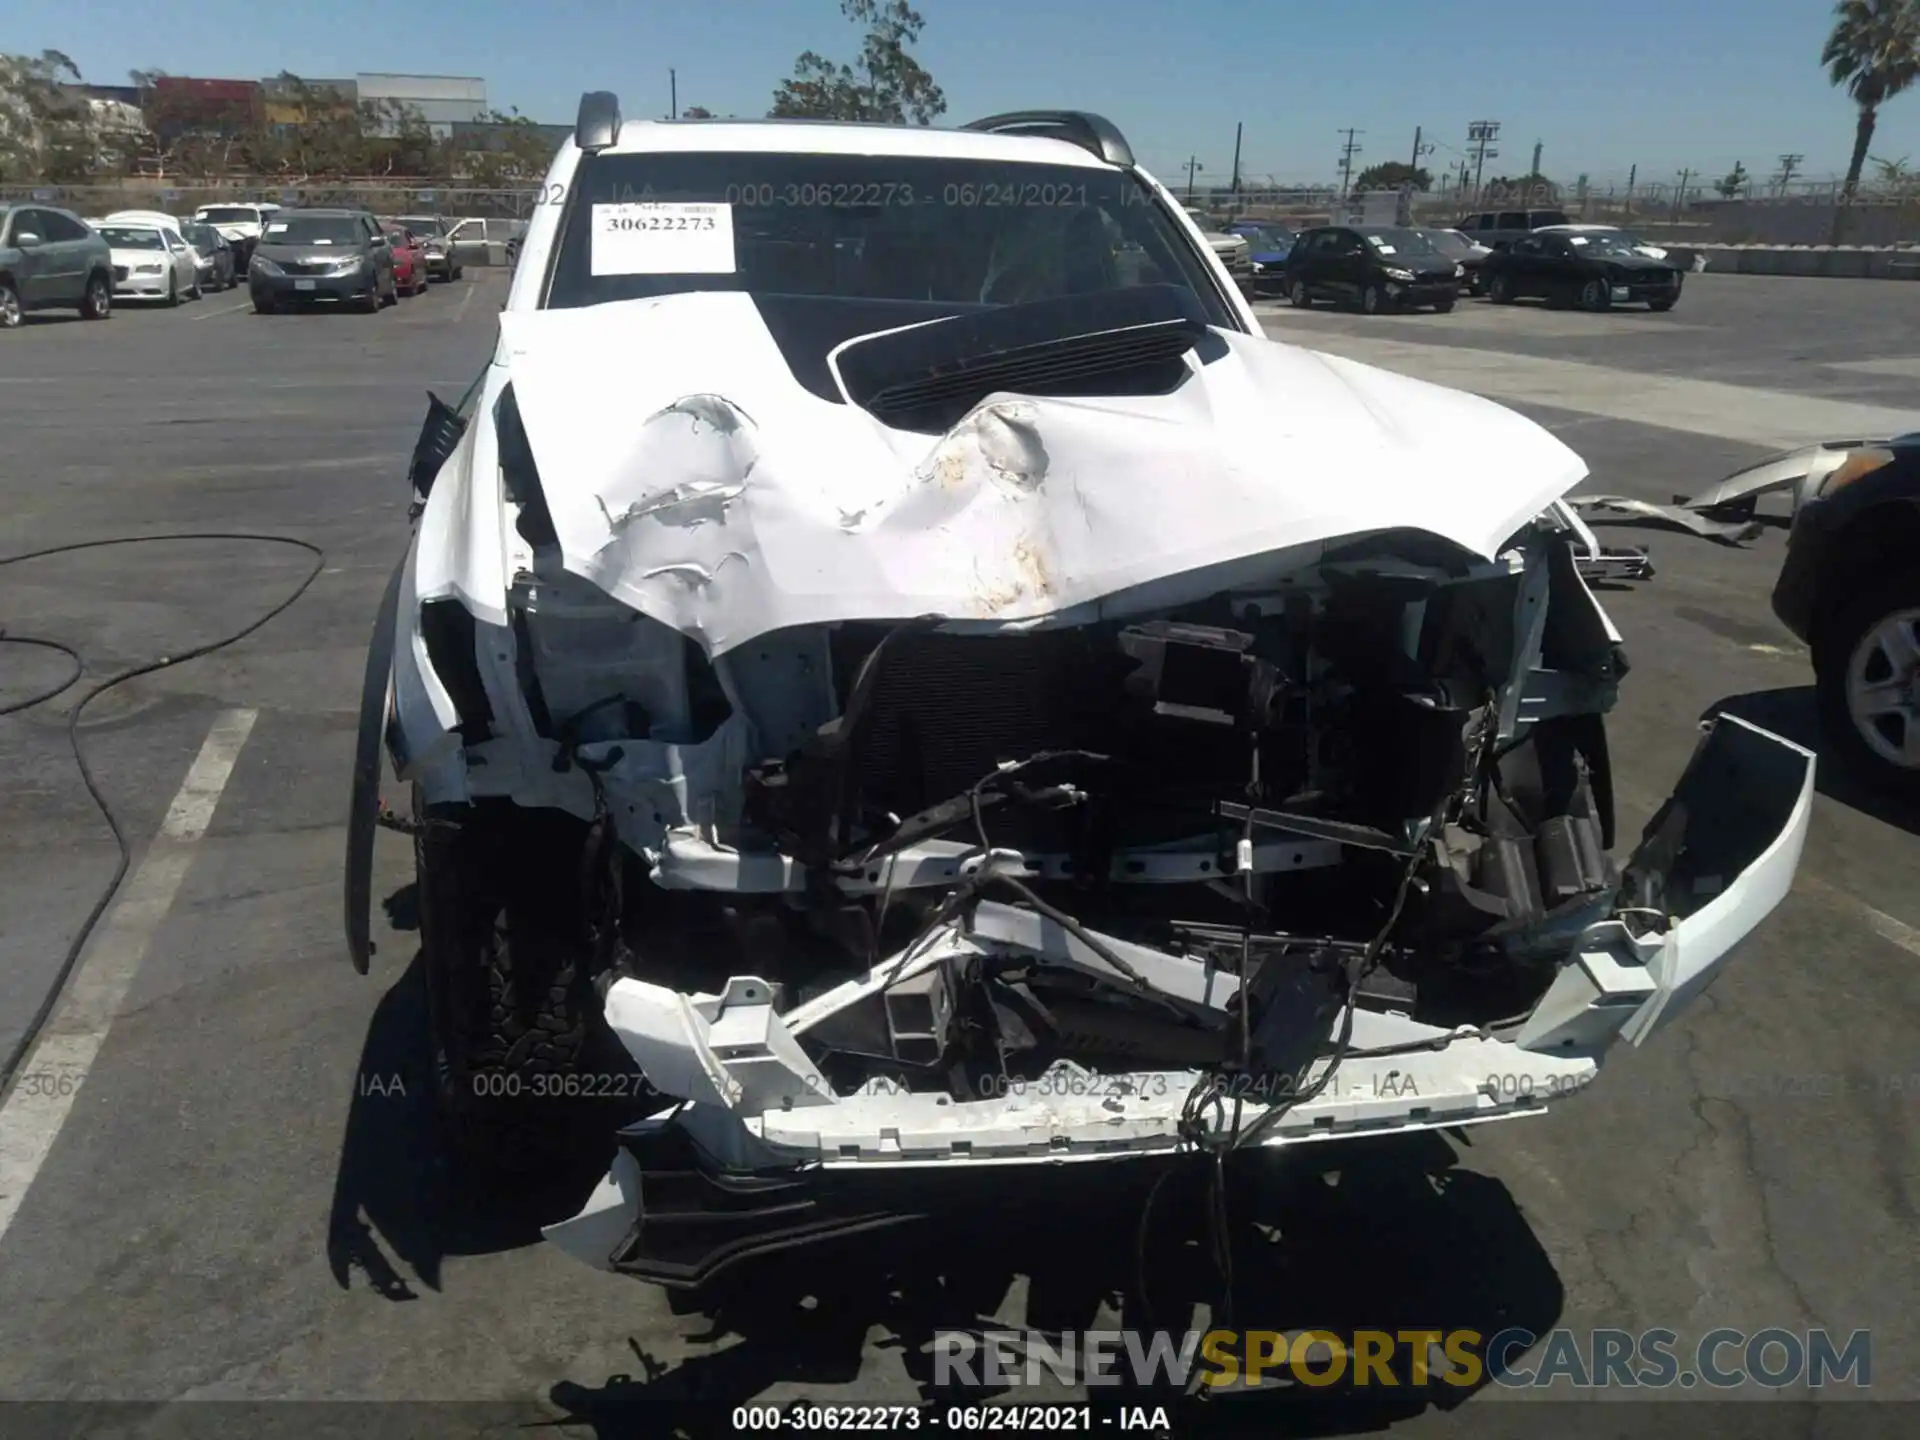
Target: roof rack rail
x,y
1090,132
598,125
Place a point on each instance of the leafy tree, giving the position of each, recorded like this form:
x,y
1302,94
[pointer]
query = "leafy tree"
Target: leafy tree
x,y
1391,175
1873,53
1529,189
1733,182
696,112
515,152
402,143
46,129
327,136
1895,177
885,83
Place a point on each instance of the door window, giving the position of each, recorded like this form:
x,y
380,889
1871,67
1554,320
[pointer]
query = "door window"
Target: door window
x,y
61,227
31,222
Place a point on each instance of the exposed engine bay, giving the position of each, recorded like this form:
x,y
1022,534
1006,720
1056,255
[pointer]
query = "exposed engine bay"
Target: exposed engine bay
x,y
1255,784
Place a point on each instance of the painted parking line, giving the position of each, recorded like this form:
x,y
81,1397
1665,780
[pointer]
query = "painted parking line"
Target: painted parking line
x,y
44,1092
1710,408
230,310
460,310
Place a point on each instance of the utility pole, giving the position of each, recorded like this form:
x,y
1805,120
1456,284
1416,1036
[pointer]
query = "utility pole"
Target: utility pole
x,y
673,95
1534,169
1347,152
1193,165
1788,164
1680,200
1234,184
1481,134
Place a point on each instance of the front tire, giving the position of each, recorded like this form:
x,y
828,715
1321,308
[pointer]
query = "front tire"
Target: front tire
x,y
1372,300
1500,290
97,303
516,1027
11,315
1299,296
1442,307
1596,296
1866,660
1660,307
173,290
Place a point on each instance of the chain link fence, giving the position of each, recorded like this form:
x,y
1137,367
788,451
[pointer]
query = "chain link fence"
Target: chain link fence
x,y
381,197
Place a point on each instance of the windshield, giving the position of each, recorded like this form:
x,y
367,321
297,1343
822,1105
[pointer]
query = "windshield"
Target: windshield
x,y
314,230
423,225
1206,222
1448,243
229,214
950,234
1604,242
1393,241
132,237
203,237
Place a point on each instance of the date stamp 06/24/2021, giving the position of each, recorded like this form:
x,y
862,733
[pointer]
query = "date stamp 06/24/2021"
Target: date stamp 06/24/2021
x,y
1007,193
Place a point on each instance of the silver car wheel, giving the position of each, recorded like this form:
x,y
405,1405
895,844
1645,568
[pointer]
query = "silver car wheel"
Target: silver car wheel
x,y
1883,688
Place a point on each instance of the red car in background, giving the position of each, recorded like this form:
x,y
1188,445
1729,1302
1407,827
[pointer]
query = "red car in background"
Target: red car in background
x,y
409,260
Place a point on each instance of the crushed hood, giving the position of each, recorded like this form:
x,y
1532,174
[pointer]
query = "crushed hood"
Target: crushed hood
x,y
690,474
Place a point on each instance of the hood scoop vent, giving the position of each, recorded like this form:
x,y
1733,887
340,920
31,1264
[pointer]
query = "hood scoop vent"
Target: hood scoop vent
x,y
1112,342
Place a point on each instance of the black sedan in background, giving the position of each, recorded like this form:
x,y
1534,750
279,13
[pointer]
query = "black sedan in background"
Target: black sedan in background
x,y
1595,271
1464,252
1372,267
212,255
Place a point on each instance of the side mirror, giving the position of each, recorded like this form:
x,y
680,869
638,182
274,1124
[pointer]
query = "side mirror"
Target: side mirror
x,y
26,240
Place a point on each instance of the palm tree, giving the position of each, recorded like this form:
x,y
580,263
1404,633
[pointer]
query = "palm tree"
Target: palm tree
x,y
1873,54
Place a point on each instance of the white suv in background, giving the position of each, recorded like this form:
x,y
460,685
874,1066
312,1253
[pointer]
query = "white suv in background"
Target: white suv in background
x,y
241,224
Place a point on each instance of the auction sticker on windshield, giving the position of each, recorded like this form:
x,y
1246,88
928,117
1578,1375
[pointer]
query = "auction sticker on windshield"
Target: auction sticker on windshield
x,y
663,239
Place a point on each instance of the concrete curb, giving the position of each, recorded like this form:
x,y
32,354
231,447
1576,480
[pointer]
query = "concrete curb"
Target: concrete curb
x,y
1844,262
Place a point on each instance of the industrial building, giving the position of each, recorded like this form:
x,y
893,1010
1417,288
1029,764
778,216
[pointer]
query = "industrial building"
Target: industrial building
x,y
443,101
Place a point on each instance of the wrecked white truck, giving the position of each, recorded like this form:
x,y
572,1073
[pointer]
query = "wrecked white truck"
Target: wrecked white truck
x,y
894,665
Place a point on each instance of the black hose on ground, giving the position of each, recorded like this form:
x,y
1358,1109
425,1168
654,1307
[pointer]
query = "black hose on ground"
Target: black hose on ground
x,y
30,1037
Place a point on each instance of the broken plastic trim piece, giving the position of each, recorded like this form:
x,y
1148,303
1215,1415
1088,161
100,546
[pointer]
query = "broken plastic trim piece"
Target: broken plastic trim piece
x,y
1624,509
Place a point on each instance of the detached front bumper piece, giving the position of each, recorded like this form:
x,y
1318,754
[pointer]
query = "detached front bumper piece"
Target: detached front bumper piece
x,y
766,1154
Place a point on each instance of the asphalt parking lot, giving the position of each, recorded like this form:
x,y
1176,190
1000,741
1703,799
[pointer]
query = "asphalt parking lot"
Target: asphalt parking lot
x,y
242,1204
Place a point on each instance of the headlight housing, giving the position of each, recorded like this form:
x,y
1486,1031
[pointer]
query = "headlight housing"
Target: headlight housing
x,y
1394,273
1459,272
266,266
346,265
1859,463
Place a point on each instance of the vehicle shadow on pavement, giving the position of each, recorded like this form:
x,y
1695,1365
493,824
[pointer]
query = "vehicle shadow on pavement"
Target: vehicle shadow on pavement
x,y
1792,713
1390,1235
400,1203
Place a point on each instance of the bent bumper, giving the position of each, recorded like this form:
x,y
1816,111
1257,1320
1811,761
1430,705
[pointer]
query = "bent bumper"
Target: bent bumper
x,y
768,1154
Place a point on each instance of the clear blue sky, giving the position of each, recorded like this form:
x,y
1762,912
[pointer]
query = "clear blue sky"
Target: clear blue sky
x,y
1658,83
